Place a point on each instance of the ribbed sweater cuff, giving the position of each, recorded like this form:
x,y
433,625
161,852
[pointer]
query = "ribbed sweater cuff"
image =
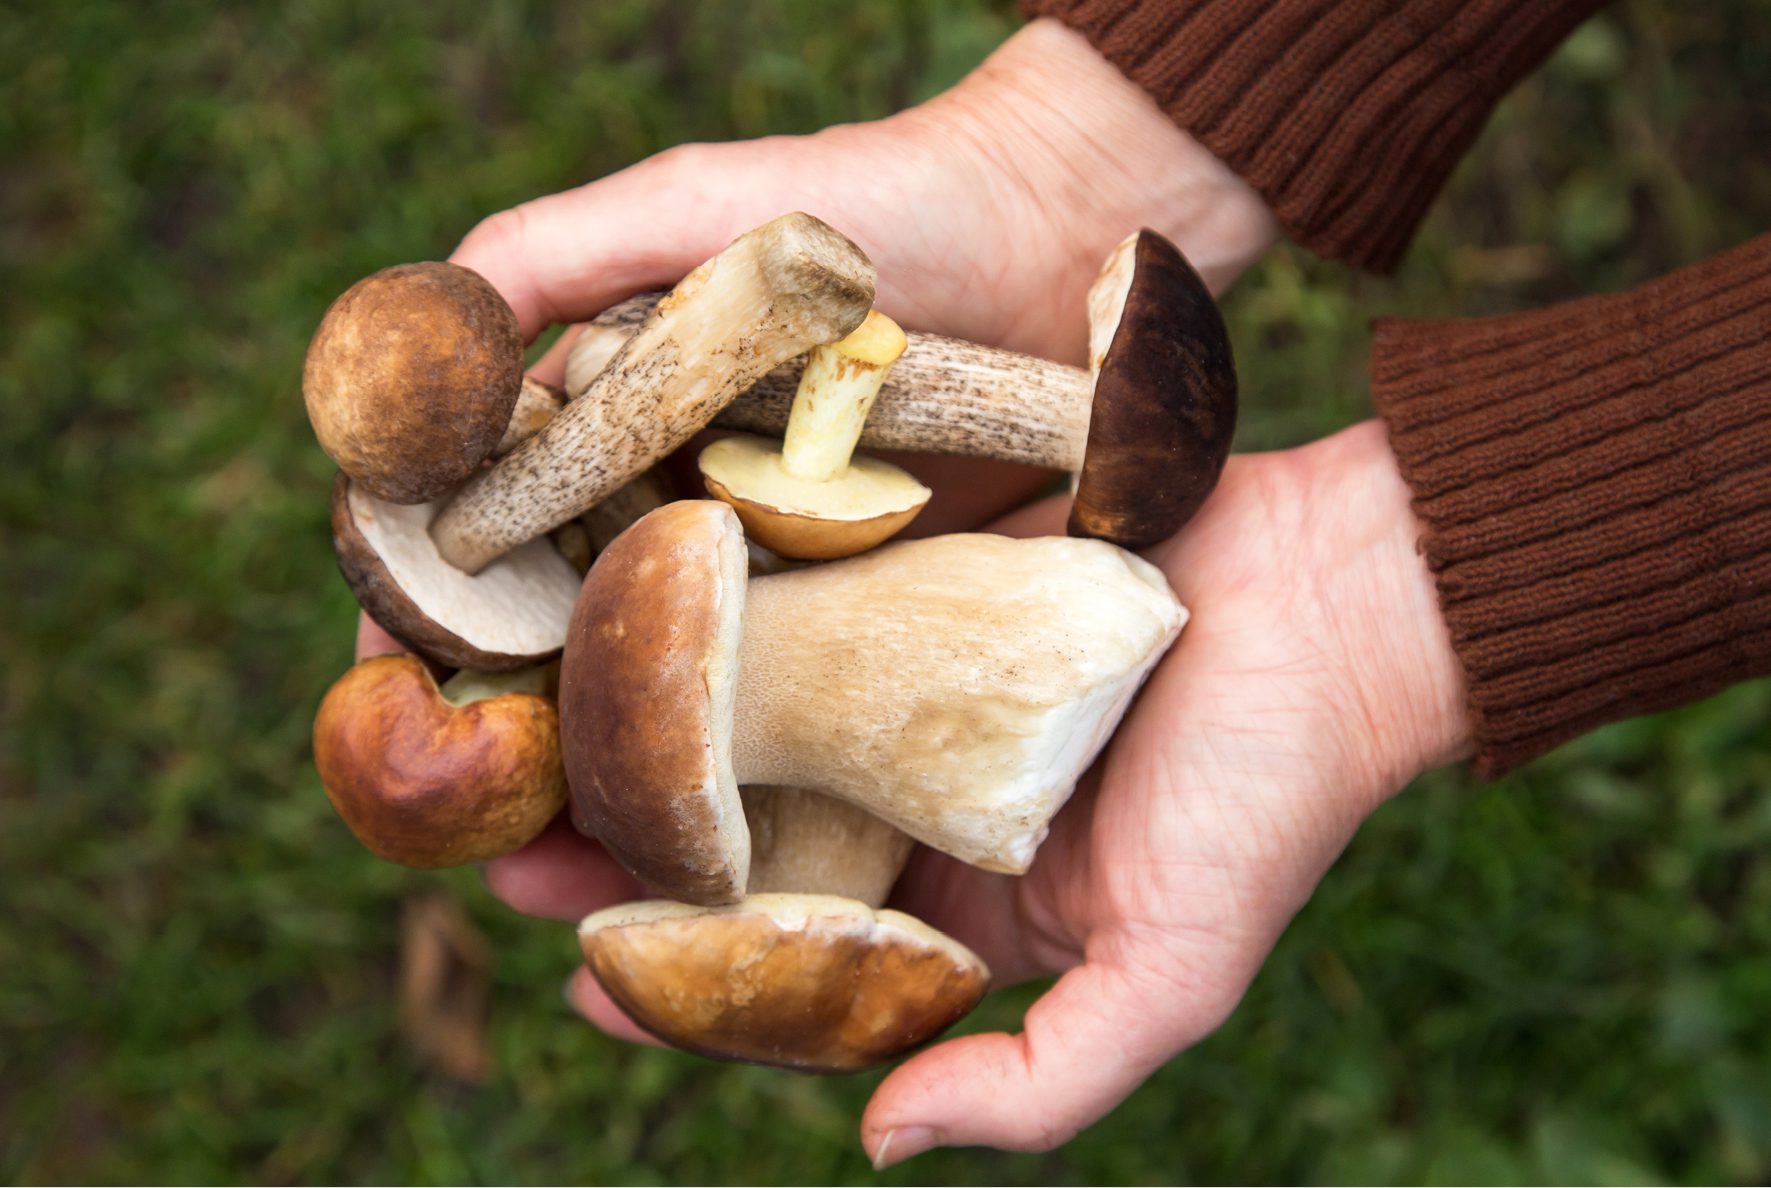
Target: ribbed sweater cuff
x,y
1594,481
1346,115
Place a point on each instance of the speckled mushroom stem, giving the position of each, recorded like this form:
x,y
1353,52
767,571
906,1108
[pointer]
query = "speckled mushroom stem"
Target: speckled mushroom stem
x,y
777,291
944,396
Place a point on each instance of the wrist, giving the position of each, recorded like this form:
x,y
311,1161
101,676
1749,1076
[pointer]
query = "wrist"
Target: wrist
x,y
1406,708
1098,156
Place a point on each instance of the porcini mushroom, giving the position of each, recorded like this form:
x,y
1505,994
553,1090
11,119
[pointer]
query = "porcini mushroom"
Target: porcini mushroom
x,y
808,497
1147,429
956,687
433,776
804,841
411,379
817,983
806,972
774,293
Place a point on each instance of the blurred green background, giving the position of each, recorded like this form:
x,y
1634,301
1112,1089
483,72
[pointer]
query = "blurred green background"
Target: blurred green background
x,y
1561,977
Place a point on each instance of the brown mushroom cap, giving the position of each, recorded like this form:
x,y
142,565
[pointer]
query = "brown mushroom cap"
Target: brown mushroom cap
x,y
511,615
411,378
427,781
649,681
805,519
810,982
1165,399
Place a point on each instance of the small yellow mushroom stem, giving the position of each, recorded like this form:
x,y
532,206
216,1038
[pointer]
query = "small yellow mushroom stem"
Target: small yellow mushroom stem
x,y
836,392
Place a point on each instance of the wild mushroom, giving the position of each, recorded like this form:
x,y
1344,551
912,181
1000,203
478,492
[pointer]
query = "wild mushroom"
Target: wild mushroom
x,y
1147,428
774,293
511,615
433,776
817,983
803,841
805,972
411,379
956,687
538,402
808,497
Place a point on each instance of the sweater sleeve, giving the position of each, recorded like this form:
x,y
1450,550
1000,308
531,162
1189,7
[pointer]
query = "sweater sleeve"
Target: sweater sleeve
x,y
1346,115
1594,480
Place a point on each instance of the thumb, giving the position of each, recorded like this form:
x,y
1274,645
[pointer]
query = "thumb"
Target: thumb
x,y
568,256
1085,1045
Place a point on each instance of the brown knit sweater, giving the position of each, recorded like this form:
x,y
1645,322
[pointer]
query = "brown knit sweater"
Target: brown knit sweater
x,y
1594,479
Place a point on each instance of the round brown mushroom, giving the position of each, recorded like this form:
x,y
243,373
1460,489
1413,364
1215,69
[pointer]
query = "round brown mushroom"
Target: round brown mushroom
x,y
411,379
433,776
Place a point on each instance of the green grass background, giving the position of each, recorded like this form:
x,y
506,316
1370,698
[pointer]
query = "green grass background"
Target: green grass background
x,y
1564,976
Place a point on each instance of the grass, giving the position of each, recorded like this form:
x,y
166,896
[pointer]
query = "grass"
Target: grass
x,y
1559,977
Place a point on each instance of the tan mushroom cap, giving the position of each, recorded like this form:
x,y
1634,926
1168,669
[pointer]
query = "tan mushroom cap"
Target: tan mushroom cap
x,y
805,519
431,777
650,677
511,615
411,378
810,982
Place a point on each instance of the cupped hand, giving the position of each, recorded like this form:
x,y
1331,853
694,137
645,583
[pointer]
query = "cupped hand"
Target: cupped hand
x,y
1314,678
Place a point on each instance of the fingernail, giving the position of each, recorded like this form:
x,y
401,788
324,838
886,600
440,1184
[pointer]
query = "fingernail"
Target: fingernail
x,y
904,1142
566,994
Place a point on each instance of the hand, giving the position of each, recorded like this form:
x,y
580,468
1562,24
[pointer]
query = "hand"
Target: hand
x,y
986,211
1313,680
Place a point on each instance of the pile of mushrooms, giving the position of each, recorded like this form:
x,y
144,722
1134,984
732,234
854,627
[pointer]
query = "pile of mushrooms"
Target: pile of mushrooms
x,y
760,741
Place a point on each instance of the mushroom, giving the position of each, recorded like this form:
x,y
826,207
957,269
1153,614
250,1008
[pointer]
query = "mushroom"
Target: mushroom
x,y
411,379
817,983
433,776
956,687
1147,428
511,615
802,841
807,497
774,293
538,402
806,972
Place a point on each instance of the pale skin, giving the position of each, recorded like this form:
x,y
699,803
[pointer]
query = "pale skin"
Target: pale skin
x,y
1313,681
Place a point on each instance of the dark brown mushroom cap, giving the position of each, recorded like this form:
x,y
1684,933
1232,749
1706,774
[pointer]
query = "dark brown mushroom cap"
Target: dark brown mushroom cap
x,y
647,686
511,616
809,982
1164,409
411,378
427,783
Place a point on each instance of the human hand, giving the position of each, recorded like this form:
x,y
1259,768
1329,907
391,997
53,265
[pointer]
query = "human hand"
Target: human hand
x,y
1314,678
987,212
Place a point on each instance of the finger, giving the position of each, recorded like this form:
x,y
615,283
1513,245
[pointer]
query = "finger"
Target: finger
x,y
568,256
561,875
1045,518
588,998
373,641
968,491
1092,1039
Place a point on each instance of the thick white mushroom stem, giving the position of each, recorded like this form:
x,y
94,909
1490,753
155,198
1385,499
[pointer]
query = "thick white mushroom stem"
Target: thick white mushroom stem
x,y
776,292
955,687
803,841
945,396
